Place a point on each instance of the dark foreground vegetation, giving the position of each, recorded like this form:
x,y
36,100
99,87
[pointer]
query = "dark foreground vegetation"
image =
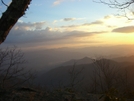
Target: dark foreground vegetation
x,y
108,81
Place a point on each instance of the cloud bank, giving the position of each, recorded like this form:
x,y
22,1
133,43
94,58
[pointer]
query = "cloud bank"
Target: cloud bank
x,y
126,29
66,32
34,33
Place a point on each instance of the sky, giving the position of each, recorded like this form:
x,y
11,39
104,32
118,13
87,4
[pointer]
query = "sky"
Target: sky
x,y
69,23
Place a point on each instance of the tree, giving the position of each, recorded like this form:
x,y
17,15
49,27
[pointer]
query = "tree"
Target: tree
x,y
104,73
9,18
119,4
12,71
75,76
107,75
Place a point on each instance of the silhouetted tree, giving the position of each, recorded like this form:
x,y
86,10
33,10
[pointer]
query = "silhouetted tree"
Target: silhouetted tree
x,y
14,11
123,5
75,76
107,75
12,71
120,4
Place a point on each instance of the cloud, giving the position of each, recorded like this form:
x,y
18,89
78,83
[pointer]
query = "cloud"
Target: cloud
x,y
94,23
29,26
21,35
106,23
85,24
69,19
70,26
77,34
126,29
92,26
57,2
55,21
38,33
116,21
45,35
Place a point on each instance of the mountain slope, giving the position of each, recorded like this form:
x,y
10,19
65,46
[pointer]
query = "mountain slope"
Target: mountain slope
x,y
85,60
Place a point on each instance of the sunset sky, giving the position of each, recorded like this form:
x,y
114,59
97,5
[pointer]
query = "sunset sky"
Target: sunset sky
x,y
70,23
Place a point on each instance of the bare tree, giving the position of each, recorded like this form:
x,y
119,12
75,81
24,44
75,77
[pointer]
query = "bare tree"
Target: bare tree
x,y
120,4
12,71
112,79
14,11
123,5
75,76
106,75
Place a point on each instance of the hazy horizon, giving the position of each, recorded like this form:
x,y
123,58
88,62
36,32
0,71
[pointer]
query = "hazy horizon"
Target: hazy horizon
x,y
49,58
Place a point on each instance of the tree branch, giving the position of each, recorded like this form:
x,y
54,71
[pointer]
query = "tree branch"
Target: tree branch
x,y
4,3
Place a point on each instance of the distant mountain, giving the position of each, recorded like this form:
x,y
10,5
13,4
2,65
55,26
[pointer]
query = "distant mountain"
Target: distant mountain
x,y
46,59
85,60
61,76
85,70
125,59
